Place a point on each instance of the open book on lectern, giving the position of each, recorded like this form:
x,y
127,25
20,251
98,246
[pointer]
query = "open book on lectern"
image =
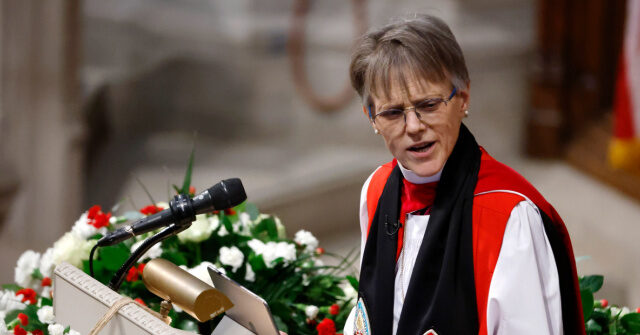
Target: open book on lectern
x,y
80,301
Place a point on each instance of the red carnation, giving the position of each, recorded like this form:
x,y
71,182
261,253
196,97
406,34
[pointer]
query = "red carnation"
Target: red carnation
x,y
604,303
319,250
229,211
93,211
140,301
101,220
150,210
192,191
24,319
19,331
326,327
132,275
334,309
27,295
37,332
46,281
141,267
638,310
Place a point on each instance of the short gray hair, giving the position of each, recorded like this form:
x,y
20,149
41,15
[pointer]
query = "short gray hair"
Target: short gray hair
x,y
420,43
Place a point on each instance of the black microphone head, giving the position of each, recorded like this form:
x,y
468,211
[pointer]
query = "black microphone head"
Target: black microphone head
x,y
227,193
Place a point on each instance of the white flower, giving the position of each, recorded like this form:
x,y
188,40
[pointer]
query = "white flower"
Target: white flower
x,y
72,249
9,301
201,272
350,293
55,329
84,230
243,225
232,257
45,314
272,251
307,240
244,218
200,229
223,231
250,275
3,325
27,263
311,311
73,332
46,291
153,252
46,263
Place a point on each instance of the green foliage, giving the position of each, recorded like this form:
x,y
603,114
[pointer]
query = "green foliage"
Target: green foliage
x,y
600,318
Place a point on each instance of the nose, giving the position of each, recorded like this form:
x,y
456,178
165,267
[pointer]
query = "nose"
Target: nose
x,y
412,121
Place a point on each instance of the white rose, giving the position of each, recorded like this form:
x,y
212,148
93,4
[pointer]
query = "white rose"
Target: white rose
x,y
55,329
46,263
45,314
199,231
153,252
46,292
311,311
27,263
200,271
250,276
350,293
272,251
9,301
72,249
232,257
244,224
307,240
84,230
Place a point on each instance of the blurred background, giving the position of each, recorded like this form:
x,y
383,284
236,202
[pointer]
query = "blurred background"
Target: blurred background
x,y
98,97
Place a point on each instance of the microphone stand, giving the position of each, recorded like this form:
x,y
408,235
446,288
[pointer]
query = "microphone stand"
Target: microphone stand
x,y
182,208
119,276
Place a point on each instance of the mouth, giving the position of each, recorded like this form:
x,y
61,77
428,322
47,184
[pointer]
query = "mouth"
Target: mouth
x,y
421,147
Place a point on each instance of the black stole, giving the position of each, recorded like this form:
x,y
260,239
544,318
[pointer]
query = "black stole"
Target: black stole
x,y
441,293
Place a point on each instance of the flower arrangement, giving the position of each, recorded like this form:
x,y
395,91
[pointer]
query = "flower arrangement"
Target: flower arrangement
x,y
304,295
602,318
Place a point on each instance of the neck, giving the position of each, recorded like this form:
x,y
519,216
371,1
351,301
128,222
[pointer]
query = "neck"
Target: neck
x,y
413,178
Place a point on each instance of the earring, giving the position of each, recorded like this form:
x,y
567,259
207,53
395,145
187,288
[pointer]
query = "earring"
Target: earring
x,y
376,131
466,113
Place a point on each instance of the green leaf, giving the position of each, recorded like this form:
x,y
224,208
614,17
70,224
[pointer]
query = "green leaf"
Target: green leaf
x,y
593,283
36,274
593,326
631,322
187,176
354,282
587,303
267,225
12,287
66,330
113,257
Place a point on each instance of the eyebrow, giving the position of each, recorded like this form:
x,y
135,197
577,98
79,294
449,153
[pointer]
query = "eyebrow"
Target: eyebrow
x,y
413,102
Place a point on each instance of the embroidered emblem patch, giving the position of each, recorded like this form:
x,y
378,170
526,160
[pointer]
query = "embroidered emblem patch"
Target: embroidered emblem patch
x,y
431,332
361,321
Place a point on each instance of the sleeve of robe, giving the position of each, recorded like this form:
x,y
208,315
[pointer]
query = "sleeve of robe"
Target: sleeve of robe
x,y
524,294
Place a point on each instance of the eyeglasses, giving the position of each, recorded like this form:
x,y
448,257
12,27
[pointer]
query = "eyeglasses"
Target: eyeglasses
x,y
425,110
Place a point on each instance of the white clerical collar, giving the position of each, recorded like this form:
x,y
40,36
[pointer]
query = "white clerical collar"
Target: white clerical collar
x,y
413,178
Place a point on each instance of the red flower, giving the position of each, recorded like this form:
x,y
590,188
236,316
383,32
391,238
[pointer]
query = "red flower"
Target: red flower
x,y
140,301
638,310
229,211
326,327
604,303
93,211
19,331
150,210
334,309
101,220
141,267
24,319
46,281
37,332
192,191
132,275
319,250
27,295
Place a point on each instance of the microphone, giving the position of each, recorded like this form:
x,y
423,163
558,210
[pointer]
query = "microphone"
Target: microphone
x,y
182,210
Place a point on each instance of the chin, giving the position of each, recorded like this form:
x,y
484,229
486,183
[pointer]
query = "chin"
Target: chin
x,y
425,169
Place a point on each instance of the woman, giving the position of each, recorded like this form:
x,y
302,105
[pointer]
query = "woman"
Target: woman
x,y
453,242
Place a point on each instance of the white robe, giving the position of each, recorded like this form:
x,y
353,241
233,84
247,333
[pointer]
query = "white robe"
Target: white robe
x,y
524,293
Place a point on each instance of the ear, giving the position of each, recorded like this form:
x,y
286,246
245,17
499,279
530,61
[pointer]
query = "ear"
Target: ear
x,y
464,96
